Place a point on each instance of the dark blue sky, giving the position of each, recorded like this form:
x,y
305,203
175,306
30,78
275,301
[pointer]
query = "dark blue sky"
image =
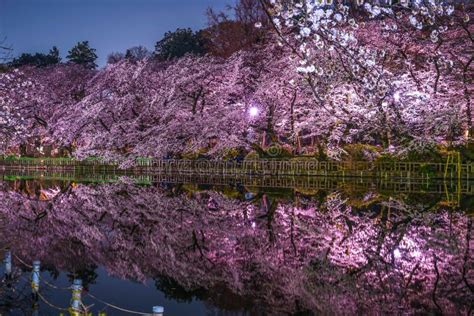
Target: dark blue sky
x,y
109,25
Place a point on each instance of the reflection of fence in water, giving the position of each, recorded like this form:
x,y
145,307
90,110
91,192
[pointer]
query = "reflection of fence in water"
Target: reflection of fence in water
x,y
322,183
14,275
74,175
313,167
311,183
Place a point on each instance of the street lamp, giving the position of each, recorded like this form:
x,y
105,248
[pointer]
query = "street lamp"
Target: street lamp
x,y
253,111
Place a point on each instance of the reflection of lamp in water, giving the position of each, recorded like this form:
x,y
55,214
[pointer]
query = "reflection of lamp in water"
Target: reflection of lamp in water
x,y
8,263
76,300
35,278
158,311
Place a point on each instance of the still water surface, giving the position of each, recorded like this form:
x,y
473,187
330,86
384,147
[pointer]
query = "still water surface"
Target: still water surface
x,y
203,249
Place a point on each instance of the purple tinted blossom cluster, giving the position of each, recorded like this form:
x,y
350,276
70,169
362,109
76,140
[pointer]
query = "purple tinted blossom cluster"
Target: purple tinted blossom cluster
x,y
16,92
370,53
35,100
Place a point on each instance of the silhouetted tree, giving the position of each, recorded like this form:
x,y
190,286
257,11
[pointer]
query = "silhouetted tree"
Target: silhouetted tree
x,y
53,55
114,58
83,54
38,59
5,50
179,43
137,53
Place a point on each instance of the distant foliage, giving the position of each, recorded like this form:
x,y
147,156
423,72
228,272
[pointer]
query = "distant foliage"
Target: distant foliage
x,y
225,35
83,54
5,51
115,57
38,59
137,53
179,43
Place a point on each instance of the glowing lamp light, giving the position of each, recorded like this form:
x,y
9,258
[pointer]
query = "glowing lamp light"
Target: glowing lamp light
x,y
253,111
397,254
396,96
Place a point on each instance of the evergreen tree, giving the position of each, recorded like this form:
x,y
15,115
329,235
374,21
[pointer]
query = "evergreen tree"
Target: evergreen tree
x,y
179,43
53,55
83,54
38,59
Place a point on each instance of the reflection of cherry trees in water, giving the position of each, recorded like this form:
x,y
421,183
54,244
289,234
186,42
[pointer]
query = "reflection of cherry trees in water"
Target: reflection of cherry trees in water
x,y
267,254
14,294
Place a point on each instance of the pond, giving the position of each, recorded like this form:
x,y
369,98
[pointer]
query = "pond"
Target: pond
x,y
251,246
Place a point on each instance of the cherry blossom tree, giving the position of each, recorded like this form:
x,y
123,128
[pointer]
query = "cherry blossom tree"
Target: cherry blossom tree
x,y
363,48
35,99
16,93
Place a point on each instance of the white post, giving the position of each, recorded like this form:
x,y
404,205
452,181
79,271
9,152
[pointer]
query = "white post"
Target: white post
x,y
8,263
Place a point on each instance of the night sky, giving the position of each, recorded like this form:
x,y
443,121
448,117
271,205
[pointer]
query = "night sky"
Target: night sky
x,y
109,25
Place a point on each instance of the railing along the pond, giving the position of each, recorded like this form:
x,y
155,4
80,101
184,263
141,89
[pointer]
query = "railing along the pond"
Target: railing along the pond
x,y
308,167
